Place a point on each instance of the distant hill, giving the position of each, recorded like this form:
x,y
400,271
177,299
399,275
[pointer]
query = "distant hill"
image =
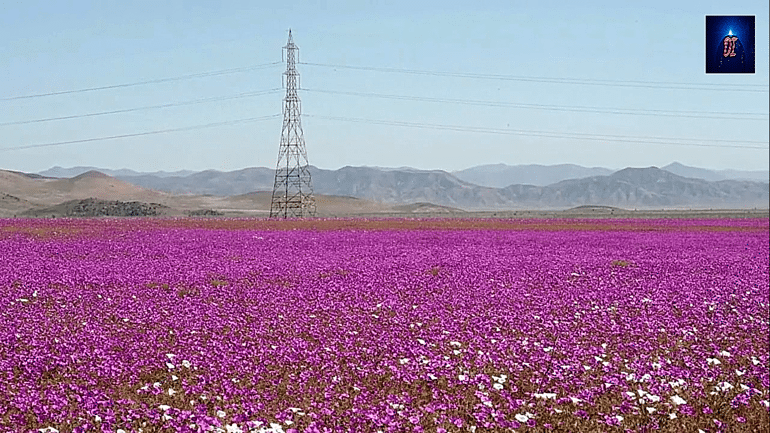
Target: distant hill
x,y
717,175
57,171
502,175
644,188
649,187
51,191
211,182
93,193
404,187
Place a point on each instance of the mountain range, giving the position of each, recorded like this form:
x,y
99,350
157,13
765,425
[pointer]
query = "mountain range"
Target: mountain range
x,y
483,187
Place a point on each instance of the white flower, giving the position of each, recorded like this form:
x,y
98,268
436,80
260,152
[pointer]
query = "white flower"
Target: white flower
x,y
713,361
462,377
48,430
431,376
403,361
653,397
277,428
186,363
498,386
97,418
421,341
725,386
455,343
221,413
575,400
672,416
739,373
651,409
164,407
233,428
724,353
678,400
619,418
174,377
171,391
521,418
120,430
170,366
545,395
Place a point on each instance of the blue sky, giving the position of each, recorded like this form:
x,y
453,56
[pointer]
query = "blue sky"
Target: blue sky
x,y
58,46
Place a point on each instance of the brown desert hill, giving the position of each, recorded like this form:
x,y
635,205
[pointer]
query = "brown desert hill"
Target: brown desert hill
x,y
48,191
96,194
11,205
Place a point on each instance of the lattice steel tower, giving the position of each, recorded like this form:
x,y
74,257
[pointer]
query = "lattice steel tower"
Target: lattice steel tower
x,y
292,190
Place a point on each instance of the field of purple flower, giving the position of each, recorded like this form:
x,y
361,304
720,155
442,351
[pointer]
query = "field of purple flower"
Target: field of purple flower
x,y
164,326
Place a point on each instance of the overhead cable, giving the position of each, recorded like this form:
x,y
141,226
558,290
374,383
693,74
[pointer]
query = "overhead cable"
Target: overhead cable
x,y
725,87
146,82
149,107
139,134
630,111
552,134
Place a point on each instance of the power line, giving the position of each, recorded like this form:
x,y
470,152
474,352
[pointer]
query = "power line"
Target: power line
x,y
629,111
150,107
139,134
551,134
590,82
142,83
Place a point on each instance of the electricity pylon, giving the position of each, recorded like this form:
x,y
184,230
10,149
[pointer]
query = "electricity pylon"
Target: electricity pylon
x,y
292,190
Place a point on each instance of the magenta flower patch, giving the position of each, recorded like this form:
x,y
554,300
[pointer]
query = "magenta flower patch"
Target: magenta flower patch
x,y
240,326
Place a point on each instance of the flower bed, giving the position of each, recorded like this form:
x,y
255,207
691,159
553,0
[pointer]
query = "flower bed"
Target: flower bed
x,y
349,325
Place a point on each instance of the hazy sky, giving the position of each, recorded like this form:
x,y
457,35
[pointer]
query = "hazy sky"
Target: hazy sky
x,y
592,52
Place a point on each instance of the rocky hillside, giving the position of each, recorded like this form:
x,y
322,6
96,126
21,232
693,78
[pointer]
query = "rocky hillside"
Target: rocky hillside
x,y
92,207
